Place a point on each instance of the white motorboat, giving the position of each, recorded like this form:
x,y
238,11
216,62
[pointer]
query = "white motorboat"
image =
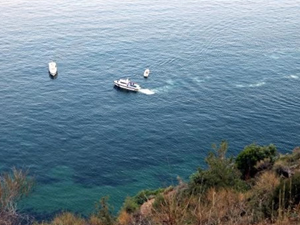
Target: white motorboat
x,y
146,73
52,69
127,84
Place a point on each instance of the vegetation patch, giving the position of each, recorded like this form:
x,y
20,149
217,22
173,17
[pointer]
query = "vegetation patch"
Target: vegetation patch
x,y
258,187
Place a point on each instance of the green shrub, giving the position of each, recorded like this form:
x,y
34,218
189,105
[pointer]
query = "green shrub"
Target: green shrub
x,y
221,173
145,195
130,205
103,212
251,155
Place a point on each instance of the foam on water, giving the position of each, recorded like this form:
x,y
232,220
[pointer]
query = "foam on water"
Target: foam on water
x,y
163,89
147,91
259,84
293,77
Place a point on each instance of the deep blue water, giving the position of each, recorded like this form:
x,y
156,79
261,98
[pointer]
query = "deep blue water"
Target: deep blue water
x,y
220,70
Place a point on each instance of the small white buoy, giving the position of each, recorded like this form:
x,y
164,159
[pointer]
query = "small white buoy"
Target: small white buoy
x,y
146,73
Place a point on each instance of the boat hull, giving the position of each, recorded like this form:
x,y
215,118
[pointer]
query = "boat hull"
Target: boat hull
x,y
52,69
53,73
146,73
127,85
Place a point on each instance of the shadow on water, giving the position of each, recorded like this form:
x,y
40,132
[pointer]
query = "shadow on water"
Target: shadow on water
x,y
46,180
103,180
53,77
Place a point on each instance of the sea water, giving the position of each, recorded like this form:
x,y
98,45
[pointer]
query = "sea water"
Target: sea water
x,y
220,70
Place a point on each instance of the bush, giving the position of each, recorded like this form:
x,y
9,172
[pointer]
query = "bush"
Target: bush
x,y
221,173
104,212
130,205
251,155
145,195
13,187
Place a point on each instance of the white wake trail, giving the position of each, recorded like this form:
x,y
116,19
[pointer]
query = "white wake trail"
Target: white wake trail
x,y
147,91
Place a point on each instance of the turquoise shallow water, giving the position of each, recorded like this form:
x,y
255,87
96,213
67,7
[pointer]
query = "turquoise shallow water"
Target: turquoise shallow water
x,y
219,70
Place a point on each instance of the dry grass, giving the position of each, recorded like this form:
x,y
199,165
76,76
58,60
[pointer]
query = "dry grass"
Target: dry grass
x,y
67,219
146,208
266,182
124,218
94,221
169,210
220,207
217,207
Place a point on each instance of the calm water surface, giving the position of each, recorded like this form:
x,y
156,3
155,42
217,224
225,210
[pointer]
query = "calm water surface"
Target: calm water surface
x,y
219,70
